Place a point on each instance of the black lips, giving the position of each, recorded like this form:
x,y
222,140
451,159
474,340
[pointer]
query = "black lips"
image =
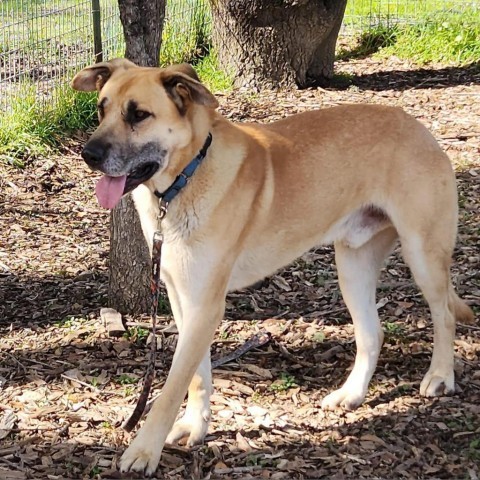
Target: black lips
x,y
140,174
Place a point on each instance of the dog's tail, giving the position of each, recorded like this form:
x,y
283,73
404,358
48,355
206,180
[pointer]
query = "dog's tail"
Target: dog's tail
x,y
463,313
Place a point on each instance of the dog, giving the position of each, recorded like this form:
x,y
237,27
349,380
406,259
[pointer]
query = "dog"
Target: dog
x,y
358,176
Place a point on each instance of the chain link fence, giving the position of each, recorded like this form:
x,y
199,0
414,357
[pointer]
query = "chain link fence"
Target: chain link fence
x,y
43,42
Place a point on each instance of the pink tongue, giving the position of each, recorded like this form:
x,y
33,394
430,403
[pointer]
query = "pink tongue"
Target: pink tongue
x,y
109,190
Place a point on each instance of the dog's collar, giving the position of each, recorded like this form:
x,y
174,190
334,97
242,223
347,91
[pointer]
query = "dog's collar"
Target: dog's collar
x,y
171,192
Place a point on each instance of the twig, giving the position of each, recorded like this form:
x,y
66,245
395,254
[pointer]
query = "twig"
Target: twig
x,y
14,465
469,327
13,357
289,356
85,384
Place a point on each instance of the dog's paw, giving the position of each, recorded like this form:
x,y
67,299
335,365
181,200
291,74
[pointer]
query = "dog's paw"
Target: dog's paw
x,y
344,398
435,384
143,455
192,426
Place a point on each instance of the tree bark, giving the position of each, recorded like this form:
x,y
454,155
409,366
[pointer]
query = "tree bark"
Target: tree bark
x,y
142,26
276,43
129,259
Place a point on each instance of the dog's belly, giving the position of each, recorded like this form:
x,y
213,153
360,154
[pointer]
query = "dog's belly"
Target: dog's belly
x,y
281,247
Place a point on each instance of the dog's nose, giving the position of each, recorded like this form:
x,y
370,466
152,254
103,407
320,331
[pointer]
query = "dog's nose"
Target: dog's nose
x,y
94,152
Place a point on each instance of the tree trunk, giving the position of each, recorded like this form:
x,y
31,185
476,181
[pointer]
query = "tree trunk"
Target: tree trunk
x,y
129,259
276,43
142,26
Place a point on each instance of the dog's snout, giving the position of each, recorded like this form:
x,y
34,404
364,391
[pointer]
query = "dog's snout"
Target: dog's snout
x,y
95,152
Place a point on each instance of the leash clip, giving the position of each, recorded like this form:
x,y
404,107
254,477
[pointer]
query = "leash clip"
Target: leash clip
x,y
163,209
163,206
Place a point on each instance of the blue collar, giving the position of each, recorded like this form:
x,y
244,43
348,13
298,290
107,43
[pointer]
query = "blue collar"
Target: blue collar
x,y
171,192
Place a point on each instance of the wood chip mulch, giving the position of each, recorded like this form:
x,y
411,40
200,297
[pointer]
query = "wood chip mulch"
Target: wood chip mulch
x,y
66,386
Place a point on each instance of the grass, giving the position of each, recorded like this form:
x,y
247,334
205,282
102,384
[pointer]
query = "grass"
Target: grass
x,y
359,12
29,129
449,37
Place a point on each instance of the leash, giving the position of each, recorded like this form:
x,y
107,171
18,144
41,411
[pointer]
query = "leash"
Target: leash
x,y
154,290
165,198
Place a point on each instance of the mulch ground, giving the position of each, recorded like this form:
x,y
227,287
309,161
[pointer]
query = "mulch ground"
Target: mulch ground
x,y
66,386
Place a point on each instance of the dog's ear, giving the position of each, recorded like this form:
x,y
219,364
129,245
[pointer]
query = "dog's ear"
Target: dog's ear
x,y
182,84
95,76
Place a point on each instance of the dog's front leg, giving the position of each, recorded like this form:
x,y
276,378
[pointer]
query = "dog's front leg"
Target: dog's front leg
x,y
202,300
194,423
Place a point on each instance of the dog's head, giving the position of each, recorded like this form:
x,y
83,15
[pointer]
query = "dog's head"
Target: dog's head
x,y
147,117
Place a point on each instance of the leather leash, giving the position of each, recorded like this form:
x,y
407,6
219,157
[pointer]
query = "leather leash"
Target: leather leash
x,y
154,290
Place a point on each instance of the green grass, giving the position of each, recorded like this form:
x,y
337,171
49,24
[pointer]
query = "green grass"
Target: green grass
x,y
449,37
29,129
445,38
358,12
186,33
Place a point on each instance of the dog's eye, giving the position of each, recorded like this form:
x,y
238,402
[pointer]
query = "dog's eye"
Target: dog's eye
x,y
140,115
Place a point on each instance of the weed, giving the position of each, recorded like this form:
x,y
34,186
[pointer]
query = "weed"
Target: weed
x,y
94,382
257,397
474,449
136,334
128,391
66,322
30,129
186,32
318,337
282,384
404,388
164,305
257,460
394,329
96,470
125,379
371,42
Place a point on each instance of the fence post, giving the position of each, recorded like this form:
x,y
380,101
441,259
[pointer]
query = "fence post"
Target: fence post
x,y
97,31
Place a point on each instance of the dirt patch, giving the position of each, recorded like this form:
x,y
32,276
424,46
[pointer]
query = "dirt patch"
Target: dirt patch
x,y
66,387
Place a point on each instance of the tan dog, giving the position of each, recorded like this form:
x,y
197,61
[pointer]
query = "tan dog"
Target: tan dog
x,y
360,176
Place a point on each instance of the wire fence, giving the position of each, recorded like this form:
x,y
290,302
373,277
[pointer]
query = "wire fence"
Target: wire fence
x,y
367,14
43,42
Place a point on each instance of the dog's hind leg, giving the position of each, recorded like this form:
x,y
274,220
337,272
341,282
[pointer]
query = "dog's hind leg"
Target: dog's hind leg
x,y
429,261
358,271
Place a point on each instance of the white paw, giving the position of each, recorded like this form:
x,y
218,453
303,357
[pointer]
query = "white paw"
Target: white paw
x,y
344,397
142,455
437,383
191,425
